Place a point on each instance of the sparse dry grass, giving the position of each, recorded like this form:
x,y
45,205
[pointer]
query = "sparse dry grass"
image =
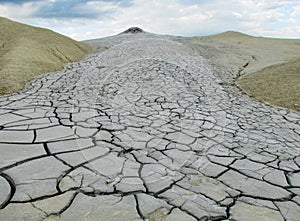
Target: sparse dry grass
x,y
27,51
278,85
272,74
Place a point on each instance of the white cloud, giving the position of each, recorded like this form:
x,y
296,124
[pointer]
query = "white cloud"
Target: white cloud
x,y
279,18
296,11
18,12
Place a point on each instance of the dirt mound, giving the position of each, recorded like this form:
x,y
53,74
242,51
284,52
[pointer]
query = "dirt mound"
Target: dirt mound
x,y
133,30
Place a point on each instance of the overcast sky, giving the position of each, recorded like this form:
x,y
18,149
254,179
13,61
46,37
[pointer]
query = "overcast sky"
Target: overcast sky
x,y
87,19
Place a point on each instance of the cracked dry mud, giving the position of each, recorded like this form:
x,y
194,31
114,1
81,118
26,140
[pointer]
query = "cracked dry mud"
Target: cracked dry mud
x,y
145,131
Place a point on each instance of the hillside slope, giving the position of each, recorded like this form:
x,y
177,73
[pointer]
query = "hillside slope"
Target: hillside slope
x,y
265,68
26,51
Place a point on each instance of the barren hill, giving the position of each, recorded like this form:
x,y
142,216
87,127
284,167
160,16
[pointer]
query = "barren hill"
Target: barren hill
x,y
26,51
265,68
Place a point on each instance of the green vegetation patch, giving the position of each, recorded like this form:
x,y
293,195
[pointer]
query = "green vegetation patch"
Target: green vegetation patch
x,y
277,85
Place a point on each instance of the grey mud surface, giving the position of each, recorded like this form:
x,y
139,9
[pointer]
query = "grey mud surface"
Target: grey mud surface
x,y
145,131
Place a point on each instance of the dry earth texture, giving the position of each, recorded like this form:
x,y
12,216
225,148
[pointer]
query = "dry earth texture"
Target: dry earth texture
x,y
265,68
151,129
26,51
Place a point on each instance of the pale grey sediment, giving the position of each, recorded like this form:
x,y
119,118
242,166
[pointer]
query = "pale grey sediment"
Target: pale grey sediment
x,y
145,131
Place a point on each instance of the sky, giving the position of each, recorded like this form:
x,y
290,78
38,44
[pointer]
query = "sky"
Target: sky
x,y
90,19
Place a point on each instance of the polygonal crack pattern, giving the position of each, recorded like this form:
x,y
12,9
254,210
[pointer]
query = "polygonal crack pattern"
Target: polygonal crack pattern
x,y
145,131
